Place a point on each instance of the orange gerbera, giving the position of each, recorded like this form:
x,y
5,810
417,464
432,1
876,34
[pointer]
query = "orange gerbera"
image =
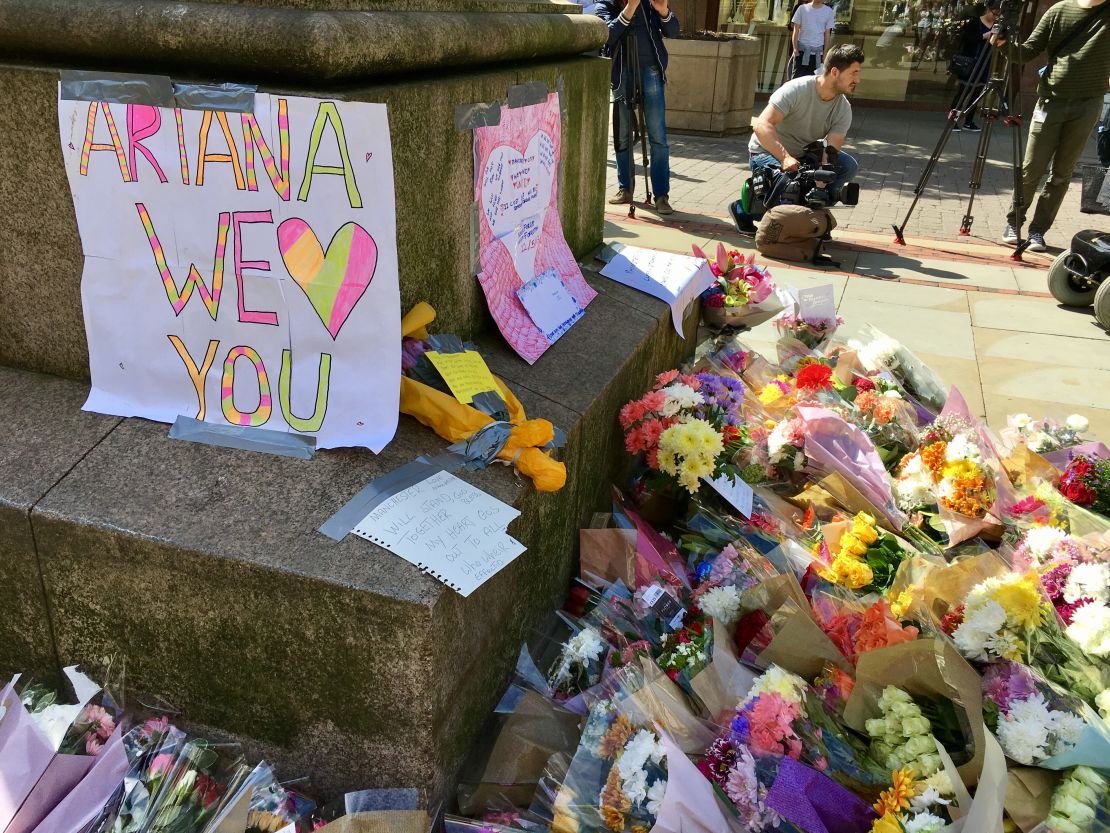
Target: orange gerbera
x,y
933,458
897,798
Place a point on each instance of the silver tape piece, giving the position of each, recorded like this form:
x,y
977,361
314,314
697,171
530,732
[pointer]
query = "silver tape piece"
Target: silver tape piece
x,y
521,95
155,90
481,114
373,494
244,437
116,88
227,97
447,343
606,253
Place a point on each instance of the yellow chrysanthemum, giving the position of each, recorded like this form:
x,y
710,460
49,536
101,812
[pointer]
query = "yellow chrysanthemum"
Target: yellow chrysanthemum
x,y
771,394
888,823
902,789
961,470
1021,600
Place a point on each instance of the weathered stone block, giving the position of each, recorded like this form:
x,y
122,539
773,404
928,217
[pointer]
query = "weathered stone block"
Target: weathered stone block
x,y
711,84
202,567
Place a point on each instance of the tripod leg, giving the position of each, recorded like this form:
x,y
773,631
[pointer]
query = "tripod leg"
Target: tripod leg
x,y
642,119
1015,122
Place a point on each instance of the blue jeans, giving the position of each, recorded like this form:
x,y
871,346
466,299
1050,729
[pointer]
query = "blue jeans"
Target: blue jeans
x,y
651,80
846,168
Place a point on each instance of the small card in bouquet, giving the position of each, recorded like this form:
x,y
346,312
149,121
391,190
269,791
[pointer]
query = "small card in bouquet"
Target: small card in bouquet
x,y
446,527
737,492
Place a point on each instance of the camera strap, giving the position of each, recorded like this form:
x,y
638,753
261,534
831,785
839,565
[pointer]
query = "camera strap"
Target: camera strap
x,y
1080,28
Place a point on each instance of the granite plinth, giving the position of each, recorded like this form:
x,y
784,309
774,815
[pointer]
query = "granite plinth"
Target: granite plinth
x,y
40,250
202,568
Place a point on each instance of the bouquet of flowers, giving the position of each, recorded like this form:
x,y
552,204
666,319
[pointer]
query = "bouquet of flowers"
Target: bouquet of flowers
x,y
743,294
1072,575
579,664
913,806
1044,435
1080,803
812,331
688,427
1086,482
859,555
902,737
879,354
882,414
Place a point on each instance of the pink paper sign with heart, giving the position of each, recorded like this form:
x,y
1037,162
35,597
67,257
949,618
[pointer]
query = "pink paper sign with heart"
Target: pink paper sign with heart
x,y
335,280
520,235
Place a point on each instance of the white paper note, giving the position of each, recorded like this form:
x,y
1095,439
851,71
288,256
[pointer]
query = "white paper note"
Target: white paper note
x,y
817,302
736,492
446,527
674,279
549,304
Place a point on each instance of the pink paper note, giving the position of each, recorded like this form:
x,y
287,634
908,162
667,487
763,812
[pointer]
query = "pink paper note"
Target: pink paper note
x,y
516,186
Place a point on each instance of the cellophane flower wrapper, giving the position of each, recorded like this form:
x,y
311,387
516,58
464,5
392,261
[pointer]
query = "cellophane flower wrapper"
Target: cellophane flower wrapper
x,y
1061,457
1050,433
655,555
878,351
563,660
725,680
854,625
193,788
1039,723
941,682
525,730
646,695
836,447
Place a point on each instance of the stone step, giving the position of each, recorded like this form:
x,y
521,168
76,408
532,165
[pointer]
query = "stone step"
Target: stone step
x,y
202,567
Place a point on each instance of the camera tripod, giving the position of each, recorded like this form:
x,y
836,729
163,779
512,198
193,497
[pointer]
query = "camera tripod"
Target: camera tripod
x,y
1000,96
633,94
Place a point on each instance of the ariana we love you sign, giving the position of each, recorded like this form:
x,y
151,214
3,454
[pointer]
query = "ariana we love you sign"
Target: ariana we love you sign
x,y
240,268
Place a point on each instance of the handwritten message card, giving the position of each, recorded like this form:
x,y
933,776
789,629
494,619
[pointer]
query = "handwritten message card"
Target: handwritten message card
x,y
520,236
673,279
817,301
448,528
465,373
736,492
549,304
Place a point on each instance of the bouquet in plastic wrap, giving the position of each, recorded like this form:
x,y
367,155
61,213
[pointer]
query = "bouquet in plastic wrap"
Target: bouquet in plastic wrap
x,y
879,353
1044,435
743,294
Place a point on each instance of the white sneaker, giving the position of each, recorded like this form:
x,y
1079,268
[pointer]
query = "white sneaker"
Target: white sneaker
x,y
1036,242
1010,235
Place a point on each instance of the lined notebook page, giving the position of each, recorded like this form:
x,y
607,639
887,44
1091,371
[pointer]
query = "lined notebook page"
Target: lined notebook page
x,y
446,527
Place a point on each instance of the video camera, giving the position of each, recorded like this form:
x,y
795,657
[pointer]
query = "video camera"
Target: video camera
x,y
1007,18
809,185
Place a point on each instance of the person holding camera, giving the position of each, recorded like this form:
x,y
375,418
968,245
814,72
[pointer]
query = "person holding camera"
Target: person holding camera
x,y
972,59
1075,35
637,77
803,111
813,23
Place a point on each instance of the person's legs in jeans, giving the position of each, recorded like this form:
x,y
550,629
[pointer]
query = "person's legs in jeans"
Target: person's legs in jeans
x,y
1078,121
805,64
757,162
846,168
622,144
655,117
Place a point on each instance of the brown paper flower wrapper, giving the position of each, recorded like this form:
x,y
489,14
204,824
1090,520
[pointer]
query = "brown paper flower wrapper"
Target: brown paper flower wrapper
x,y
526,740
609,554
724,682
930,668
937,589
1029,795
1027,468
659,700
381,821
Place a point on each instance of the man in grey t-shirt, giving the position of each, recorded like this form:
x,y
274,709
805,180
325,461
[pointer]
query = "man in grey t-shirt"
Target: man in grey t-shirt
x,y
800,112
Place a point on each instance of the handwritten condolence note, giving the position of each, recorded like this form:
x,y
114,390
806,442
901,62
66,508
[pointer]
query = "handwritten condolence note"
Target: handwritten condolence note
x,y
549,304
446,527
465,373
674,279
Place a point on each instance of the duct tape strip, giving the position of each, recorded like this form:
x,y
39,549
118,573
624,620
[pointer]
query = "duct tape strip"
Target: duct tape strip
x,y
606,253
116,88
227,97
481,114
244,437
492,404
447,343
521,95
374,493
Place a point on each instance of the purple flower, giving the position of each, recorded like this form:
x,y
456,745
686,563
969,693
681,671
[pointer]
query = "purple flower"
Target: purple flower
x,y
724,394
1005,682
1055,578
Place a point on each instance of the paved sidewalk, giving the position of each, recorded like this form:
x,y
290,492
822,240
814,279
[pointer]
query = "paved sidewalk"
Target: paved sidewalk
x,y
892,147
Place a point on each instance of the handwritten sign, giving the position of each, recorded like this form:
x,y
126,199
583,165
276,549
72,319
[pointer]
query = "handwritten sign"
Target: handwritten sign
x,y
817,302
736,492
240,268
466,373
520,236
550,305
447,528
674,279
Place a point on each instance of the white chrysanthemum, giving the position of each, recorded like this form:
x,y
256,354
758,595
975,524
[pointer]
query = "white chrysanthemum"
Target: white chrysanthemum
x,y
635,787
1040,441
1041,541
774,679
585,646
1090,628
988,617
1024,741
940,782
924,823
1020,420
1031,709
1091,580
892,394
914,487
961,447
1078,423
1068,728
1004,644
929,796
971,643
722,603
655,796
877,354
678,397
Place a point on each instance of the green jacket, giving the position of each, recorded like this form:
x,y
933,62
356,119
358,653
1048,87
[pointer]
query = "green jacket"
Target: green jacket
x,y
1081,70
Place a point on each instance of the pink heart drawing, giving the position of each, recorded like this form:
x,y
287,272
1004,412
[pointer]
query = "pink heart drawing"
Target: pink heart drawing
x,y
334,280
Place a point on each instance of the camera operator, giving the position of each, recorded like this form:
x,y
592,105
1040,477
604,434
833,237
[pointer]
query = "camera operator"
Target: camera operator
x,y
640,27
1075,35
803,111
